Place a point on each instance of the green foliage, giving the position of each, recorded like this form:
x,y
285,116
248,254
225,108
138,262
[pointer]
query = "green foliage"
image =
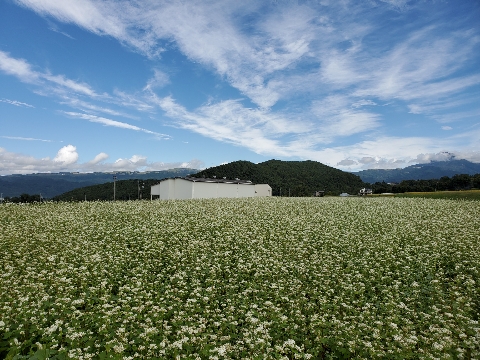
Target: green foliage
x,y
124,190
294,178
259,278
457,182
25,198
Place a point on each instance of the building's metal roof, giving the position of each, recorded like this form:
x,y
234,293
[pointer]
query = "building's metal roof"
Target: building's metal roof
x,y
212,180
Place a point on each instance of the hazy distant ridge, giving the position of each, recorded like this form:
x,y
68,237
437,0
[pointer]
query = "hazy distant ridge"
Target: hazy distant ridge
x,y
432,170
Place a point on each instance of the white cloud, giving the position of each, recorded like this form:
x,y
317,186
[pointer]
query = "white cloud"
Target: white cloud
x,y
260,62
367,160
21,69
229,121
332,55
135,162
24,138
267,133
132,101
447,128
98,158
16,103
99,18
67,155
15,163
426,158
67,160
159,79
337,119
76,87
420,68
192,164
381,153
54,27
346,162
363,102
114,123
17,67
89,107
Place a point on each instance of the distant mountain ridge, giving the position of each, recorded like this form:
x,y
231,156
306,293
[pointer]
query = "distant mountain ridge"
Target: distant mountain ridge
x,y
294,178
432,170
297,178
53,184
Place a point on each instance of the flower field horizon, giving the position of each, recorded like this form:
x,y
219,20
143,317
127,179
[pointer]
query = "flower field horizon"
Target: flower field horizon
x,y
258,278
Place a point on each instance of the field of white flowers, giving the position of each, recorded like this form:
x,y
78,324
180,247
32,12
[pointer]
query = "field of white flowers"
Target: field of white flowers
x,y
241,278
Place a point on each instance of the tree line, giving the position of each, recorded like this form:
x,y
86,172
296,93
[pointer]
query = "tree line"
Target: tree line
x,y
445,183
283,184
123,190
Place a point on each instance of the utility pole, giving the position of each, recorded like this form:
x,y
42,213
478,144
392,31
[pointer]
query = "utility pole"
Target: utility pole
x,y
114,180
138,186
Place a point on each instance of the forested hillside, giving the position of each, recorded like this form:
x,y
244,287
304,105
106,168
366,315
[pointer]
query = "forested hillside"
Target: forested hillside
x,y
297,178
124,190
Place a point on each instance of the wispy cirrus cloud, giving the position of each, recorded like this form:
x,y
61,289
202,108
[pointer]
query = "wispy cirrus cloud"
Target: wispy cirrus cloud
x,y
261,63
16,103
54,27
285,37
228,121
114,123
95,109
24,138
159,79
21,69
313,73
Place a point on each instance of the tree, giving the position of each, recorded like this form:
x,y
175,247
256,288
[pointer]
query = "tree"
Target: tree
x,y
462,181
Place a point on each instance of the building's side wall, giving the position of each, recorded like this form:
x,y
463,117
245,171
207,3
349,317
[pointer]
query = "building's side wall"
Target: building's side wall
x,y
167,188
171,189
227,190
263,190
183,189
246,190
155,190
204,190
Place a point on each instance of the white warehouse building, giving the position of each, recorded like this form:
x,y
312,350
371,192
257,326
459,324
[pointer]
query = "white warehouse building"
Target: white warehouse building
x,y
200,188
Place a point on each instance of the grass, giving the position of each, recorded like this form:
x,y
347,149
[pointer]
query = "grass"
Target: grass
x,y
454,195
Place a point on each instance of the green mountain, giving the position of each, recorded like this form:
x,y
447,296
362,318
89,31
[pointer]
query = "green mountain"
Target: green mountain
x,y
53,184
432,170
294,178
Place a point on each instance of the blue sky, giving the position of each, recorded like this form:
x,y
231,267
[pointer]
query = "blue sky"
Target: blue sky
x,y
149,85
